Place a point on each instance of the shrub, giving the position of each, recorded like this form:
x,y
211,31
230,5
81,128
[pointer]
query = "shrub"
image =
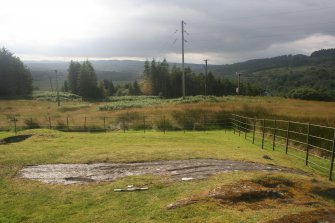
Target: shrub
x,y
307,93
31,124
52,96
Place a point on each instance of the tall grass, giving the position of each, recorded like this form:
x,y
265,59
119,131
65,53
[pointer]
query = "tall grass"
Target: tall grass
x,y
126,102
189,113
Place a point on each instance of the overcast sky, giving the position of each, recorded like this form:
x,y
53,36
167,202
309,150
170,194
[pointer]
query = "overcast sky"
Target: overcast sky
x,y
219,30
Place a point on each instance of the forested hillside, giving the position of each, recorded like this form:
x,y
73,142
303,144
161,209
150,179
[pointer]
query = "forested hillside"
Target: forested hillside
x,y
284,74
278,75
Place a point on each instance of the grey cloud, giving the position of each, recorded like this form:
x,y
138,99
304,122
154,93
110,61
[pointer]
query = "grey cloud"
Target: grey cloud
x,y
243,29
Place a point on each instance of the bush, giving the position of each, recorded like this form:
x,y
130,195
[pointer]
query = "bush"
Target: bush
x,y
31,124
307,93
52,96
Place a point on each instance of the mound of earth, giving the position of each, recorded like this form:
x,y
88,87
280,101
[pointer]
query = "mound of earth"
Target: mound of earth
x,y
178,170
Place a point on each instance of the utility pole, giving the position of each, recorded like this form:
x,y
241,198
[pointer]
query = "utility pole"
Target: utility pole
x,y
238,83
206,77
182,52
58,102
52,89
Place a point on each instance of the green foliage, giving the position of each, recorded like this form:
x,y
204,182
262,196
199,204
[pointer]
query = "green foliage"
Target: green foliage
x,y
83,80
87,81
282,74
52,96
161,81
324,53
73,76
126,102
136,88
307,93
15,78
279,81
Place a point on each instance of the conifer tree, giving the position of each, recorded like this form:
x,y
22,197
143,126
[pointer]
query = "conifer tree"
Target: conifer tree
x,y
15,78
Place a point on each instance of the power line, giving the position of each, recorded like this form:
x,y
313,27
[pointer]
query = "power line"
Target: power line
x,y
238,83
206,60
168,44
58,101
50,81
182,52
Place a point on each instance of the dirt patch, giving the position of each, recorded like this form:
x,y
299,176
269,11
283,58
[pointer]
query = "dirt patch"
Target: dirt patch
x,y
179,169
260,193
248,194
316,216
14,139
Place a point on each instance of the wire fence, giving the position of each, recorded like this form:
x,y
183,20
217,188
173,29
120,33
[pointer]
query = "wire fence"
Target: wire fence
x,y
313,144
124,122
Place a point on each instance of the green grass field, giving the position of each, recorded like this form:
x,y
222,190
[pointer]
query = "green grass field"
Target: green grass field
x,y
30,201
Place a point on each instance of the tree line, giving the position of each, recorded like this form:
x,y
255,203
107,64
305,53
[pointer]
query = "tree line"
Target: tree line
x,y
15,78
82,80
160,80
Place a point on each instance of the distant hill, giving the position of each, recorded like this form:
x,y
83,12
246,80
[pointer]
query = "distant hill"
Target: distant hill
x,y
321,57
277,75
115,70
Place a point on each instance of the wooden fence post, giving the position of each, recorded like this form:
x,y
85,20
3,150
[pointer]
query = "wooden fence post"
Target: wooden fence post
x,y
67,122
274,135
204,122
105,124
124,125
263,133
225,126
233,122
287,136
307,145
14,120
184,121
85,123
254,132
144,124
164,124
239,128
332,160
245,130
50,123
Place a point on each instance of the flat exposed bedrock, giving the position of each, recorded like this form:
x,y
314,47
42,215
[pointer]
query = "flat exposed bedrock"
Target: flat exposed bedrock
x,y
177,169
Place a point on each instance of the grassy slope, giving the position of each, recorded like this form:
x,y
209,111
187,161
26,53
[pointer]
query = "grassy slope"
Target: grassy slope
x,y
29,201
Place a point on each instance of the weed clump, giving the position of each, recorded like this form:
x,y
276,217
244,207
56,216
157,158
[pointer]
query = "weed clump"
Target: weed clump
x,y
273,181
